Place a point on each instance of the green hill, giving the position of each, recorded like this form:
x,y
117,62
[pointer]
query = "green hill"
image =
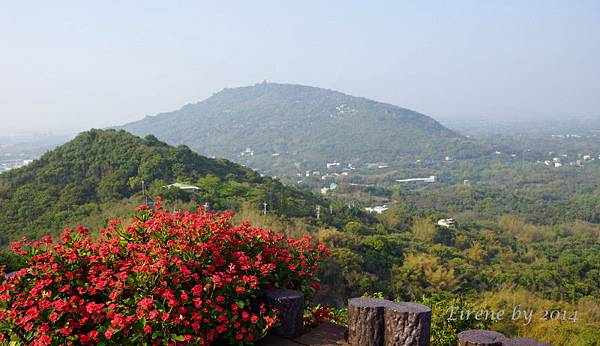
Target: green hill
x,y
292,128
99,174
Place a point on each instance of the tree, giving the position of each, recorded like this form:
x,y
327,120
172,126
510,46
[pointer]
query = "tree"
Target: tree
x,y
394,218
423,229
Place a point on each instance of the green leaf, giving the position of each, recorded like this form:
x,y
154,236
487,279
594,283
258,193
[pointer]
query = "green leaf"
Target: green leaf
x,y
177,337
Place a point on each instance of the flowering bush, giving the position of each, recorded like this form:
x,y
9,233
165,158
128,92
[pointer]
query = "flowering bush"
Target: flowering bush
x,y
161,279
317,314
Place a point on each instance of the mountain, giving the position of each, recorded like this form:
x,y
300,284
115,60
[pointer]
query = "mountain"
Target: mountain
x,y
102,173
293,127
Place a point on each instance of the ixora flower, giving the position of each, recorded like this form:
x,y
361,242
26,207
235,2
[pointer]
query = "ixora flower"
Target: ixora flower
x,y
162,278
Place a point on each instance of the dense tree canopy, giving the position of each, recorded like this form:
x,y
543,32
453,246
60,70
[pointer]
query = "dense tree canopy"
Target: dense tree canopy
x,y
100,167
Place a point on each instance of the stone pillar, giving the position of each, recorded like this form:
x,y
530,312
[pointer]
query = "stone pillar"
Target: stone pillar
x,y
407,324
477,337
290,304
365,321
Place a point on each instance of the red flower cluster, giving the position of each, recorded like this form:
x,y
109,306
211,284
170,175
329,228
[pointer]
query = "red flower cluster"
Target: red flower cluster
x,y
162,279
315,315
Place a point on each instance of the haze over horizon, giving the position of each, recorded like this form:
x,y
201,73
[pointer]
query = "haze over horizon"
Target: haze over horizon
x,y
69,66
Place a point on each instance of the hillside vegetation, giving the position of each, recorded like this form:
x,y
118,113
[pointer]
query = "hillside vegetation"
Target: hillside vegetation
x,y
500,254
293,128
102,170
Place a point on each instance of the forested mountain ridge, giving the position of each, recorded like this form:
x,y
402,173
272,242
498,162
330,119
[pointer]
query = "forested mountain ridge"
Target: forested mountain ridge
x,y
100,168
286,126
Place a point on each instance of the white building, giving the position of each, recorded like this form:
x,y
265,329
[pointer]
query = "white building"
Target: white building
x,y
331,187
377,209
448,223
184,187
430,179
247,152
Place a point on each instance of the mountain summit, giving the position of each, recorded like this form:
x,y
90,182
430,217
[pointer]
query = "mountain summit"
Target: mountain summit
x,y
271,126
102,172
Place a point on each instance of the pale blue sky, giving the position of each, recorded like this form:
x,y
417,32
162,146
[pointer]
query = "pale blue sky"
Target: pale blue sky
x,y
71,65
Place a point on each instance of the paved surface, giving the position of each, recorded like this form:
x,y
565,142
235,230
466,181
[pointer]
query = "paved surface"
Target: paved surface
x,y
326,334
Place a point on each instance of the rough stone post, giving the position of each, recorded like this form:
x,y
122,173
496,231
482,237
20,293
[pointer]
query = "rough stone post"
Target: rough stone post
x,y
407,324
365,321
478,337
290,304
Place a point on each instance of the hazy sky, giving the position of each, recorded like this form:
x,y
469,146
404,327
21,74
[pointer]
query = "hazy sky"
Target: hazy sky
x,y
72,65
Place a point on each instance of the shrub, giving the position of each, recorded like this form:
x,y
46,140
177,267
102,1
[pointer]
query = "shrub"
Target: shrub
x,y
316,314
163,278
423,229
